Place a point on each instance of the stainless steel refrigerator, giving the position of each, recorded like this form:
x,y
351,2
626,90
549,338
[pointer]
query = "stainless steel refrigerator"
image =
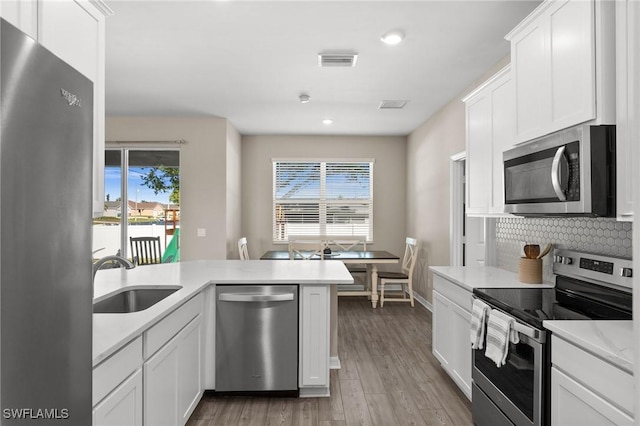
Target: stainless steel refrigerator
x,y
46,144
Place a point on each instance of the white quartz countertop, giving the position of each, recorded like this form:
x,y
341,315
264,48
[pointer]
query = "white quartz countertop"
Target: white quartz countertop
x,y
112,331
470,277
609,340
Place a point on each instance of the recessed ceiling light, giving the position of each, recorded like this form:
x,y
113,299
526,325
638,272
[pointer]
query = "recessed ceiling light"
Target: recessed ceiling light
x,y
304,98
327,121
392,37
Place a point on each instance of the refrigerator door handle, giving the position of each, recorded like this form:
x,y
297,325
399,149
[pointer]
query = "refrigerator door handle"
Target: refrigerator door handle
x,y
239,297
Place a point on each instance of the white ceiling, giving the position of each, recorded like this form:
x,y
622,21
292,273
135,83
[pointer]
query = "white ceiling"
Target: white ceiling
x,y
248,61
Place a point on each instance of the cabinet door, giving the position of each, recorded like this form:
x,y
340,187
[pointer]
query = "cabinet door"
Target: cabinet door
x,y
23,14
479,156
442,329
123,406
461,366
530,62
75,31
575,405
572,63
161,387
627,103
503,131
190,371
314,336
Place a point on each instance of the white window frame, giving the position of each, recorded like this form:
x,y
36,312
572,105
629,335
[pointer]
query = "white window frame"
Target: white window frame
x,y
322,201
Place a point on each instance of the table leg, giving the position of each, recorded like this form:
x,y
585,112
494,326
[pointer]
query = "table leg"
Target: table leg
x,y
374,285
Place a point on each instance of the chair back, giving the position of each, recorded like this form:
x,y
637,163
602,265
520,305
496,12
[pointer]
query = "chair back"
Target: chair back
x,y
347,242
305,249
243,249
410,256
145,250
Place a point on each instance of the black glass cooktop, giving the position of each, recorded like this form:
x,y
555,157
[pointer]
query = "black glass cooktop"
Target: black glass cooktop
x,y
571,299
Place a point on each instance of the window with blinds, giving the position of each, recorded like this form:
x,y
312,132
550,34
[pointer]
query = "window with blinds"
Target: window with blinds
x,y
322,198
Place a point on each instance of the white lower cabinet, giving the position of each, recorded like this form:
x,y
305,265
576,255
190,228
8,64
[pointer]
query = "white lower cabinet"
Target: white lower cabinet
x,y
117,388
576,405
173,378
190,362
173,375
161,387
451,326
314,340
123,406
461,367
587,390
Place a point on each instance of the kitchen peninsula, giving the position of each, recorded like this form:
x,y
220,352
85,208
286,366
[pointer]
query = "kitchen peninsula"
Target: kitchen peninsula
x,y
129,349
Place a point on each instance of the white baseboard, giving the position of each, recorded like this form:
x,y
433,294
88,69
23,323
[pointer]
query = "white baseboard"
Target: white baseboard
x,y
334,363
421,300
313,392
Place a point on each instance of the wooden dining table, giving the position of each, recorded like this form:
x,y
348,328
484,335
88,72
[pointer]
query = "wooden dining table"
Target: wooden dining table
x,y
370,258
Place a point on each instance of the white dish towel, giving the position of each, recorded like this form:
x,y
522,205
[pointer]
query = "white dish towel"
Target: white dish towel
x,y
500,331
479,313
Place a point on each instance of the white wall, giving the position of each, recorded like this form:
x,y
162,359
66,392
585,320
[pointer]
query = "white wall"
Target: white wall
x,y
389,182
203,175
429,149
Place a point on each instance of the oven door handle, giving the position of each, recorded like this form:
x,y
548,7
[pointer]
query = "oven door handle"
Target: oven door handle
x,y
556,173
530,332
527,331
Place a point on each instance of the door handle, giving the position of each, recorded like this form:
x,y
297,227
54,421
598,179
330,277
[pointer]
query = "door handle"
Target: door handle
x,y
252,297
556,173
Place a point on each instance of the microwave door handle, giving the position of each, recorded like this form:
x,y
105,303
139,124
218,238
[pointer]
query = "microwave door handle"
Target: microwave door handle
x,y
555,173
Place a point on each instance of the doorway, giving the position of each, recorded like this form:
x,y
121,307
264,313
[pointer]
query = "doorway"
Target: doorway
x,y
142,199
467,233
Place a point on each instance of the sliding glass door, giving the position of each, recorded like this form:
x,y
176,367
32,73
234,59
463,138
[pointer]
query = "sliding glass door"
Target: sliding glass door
x,y
142,199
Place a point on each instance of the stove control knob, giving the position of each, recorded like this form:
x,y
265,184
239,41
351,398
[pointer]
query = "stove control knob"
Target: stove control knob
x,y
557,259
626,272
567,260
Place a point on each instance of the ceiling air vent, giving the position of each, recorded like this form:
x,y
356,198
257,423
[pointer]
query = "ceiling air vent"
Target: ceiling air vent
x,y
337,59
392,104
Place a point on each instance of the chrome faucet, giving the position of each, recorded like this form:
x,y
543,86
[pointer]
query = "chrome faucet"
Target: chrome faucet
x,y
121,260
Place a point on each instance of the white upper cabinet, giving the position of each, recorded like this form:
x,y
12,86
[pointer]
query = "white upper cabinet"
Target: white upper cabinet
x,y
489,132
74,30
562,56
627,103
21,13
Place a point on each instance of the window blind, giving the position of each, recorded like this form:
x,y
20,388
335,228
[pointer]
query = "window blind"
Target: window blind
x,y
322,198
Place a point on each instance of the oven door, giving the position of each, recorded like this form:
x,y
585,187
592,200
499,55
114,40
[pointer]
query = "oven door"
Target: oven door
x,y
516,389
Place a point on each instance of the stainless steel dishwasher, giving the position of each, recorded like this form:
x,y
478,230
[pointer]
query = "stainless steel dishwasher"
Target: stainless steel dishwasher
x,y
257,338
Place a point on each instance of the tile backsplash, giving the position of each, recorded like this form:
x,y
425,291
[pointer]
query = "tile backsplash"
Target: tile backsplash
x,y
596,235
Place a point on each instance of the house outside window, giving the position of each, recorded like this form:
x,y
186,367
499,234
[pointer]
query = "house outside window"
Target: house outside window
x,y
317,197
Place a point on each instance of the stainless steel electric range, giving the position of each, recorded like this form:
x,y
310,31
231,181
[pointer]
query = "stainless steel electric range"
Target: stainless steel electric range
x,y
588,286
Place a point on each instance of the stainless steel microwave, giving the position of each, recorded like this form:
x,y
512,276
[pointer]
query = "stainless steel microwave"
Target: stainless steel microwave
x,y
567,173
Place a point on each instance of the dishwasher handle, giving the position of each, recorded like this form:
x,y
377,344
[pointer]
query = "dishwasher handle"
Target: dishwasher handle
x,y
253,297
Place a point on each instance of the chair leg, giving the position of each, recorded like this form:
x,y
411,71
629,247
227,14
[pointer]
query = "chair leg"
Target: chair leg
x,y
411,293
382,282
404,290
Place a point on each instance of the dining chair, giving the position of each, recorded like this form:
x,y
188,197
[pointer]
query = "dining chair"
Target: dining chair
x,y
404,277
306,249
351,243
348,242
243,249
145,250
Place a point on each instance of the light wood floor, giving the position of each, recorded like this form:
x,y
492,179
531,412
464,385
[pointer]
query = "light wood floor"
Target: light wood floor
x,y
388,377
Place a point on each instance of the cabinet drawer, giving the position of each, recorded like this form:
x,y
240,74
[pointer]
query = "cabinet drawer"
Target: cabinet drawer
x,y
453,292
115,369
610,382
162,332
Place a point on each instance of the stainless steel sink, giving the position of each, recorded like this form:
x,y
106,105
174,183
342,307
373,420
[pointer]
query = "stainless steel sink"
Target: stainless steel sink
x,y
133,300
